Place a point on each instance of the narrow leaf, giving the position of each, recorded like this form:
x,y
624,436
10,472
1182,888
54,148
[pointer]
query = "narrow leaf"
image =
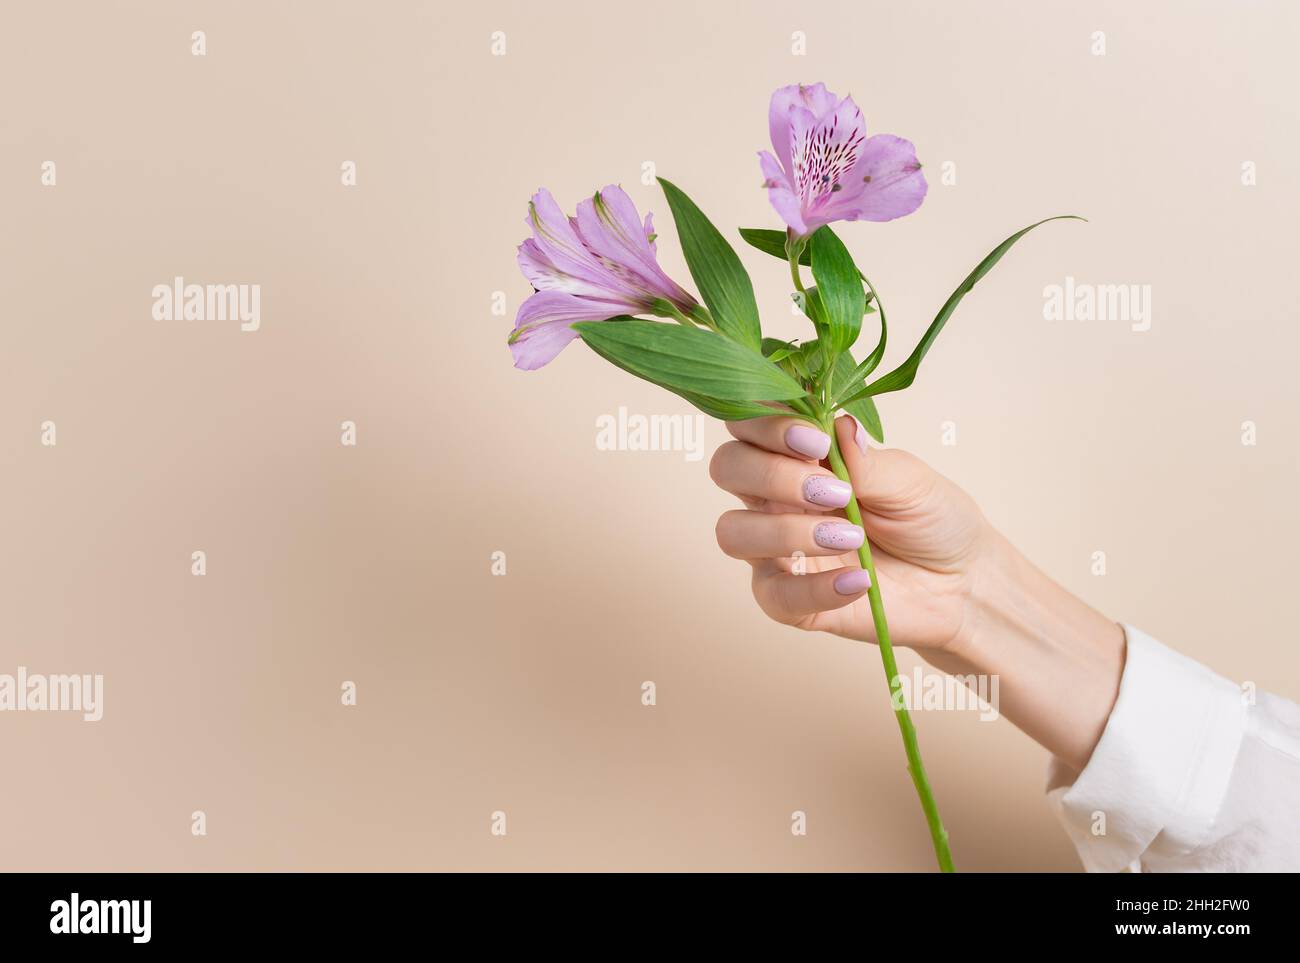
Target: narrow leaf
x,y
839,286
718,273
870,362
731,410
773,243
774,349
689,360
810,302
810,360
843,381
864,409
905,374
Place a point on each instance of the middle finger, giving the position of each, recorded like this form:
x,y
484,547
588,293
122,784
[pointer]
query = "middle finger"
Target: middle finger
x,y
750,472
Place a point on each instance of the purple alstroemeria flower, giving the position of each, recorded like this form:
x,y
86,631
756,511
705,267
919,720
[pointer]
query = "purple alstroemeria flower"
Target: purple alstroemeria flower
x,y
592,267
827,169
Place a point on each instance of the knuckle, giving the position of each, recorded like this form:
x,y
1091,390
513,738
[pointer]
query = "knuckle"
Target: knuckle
x,y
721,460
770,472
795,534
787,589
917,477
771,608
898,479
766,595
725,531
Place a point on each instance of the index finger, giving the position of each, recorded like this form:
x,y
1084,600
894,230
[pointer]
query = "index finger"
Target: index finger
x,y
785,436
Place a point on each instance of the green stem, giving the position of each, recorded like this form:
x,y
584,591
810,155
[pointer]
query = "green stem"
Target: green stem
x,y
938,834
672,312
794,272
701,314
794,251
806,409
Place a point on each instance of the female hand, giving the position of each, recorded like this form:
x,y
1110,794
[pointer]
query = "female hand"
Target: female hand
x,y
954,588
927,535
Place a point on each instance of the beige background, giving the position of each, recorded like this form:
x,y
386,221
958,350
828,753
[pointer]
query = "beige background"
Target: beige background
x,y
521,693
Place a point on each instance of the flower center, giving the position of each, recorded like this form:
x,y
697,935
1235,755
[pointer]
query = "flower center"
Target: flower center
x,y
821,159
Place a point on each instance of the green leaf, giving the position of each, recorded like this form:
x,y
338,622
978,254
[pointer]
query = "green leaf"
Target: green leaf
x,y
905,373
690,360
774,349
839,286
773,243
870,362
809,359
843,381
810,303
730,410
864,409
718,273
783,354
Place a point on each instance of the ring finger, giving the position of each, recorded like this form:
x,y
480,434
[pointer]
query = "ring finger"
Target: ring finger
x,y
759,535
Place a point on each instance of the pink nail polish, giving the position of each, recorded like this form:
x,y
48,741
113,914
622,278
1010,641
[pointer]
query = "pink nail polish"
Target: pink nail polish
x,y
839,535
808,441
852,581
859,434
826,491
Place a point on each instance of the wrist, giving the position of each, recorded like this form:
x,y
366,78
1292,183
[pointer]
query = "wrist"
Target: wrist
x,y
1058,660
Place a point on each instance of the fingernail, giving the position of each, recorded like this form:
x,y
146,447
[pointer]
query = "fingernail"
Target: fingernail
x,y
853,581
859,435
841,535
808,441
827,491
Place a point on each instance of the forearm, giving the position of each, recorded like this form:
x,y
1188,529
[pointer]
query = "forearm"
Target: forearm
x,y
1058,660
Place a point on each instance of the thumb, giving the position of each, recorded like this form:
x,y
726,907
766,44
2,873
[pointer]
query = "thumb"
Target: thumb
x,y
884,479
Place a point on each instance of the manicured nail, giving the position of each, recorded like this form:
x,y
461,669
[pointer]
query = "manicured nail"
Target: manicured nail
x,y
827,491
853,581
808,441
841,535
859,434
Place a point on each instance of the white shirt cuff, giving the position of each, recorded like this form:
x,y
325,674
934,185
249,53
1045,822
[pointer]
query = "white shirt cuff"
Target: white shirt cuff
x,y
1159,774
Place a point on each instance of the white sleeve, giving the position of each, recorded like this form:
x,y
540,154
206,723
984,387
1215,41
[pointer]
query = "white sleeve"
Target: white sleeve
x,y
1192,774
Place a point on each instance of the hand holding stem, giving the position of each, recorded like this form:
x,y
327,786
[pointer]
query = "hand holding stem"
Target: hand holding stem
x,y
959,593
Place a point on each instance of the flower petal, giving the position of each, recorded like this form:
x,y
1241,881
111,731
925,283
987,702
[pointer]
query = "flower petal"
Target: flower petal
x,y
825,151
557,239
887,183
539,345
543,275
542,326
780,195
537,267
815,98
609,226
557,259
